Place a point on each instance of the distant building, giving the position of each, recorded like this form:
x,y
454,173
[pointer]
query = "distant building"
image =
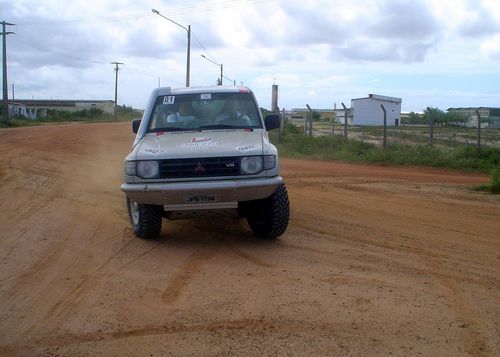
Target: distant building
x,y
340,116
367,111
37,108
490,117
326,114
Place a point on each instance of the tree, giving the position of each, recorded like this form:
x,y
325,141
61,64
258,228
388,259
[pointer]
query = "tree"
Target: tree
x,y
264,111
415,118
435,116
454,118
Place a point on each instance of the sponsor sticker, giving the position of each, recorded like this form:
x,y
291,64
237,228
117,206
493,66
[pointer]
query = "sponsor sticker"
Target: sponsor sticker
x,y
200,142
245,147
153,151
206,96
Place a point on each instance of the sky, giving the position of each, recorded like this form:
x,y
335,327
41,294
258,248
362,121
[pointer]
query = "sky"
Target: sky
x,y
439,53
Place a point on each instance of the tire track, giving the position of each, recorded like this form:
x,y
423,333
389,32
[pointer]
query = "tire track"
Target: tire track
x,y
187,273
474,342
251,258
252,327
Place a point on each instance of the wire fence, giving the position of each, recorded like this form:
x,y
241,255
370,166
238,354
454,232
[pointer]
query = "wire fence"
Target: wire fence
x,y
442,136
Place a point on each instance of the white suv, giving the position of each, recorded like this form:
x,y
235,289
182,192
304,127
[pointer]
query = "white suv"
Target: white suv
x,y
202,152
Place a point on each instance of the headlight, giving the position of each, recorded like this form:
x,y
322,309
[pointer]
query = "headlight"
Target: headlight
x,y
147,169
269,162
251,165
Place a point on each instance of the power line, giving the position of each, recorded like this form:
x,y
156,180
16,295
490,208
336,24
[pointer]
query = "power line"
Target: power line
x,y
41,48
123,18
206,7
216,5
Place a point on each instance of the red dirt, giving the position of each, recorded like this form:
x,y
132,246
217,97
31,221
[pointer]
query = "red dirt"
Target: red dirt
x,y
375,261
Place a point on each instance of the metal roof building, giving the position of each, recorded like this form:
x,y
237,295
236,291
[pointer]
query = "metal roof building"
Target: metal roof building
x,y
367,111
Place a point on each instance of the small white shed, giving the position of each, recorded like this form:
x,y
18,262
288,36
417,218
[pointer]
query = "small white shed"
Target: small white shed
x,y
367,111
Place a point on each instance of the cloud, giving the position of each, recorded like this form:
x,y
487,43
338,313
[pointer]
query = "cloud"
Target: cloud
x,y
479,21
38,42
401,31
306,25
383,50
408,20
491,47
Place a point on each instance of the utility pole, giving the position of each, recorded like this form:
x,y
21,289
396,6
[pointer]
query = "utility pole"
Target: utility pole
x,y
4,71
117,68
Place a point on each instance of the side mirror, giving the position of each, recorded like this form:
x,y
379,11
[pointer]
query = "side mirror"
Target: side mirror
x,y
272,121
135,125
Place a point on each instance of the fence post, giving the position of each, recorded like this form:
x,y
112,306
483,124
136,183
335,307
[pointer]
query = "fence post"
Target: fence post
x,y
333,123
478,145
282,120
345,120
431,134
310,120
385,126
305,124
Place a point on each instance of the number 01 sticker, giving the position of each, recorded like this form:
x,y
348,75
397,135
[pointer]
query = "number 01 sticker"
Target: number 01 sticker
x,y
169,99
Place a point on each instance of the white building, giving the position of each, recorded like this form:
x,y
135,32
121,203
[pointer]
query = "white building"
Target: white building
x,y
367,111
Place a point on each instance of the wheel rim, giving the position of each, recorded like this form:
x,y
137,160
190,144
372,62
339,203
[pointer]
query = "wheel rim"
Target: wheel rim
x,y
134,212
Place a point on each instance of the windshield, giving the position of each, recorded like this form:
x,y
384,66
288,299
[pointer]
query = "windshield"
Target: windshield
x,y
204,111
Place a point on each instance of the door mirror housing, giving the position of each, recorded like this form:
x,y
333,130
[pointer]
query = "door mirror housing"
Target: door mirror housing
x,y
272,121
135,125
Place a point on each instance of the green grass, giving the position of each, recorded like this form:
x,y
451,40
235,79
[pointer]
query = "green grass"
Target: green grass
x,y
82,116
293,144
494,185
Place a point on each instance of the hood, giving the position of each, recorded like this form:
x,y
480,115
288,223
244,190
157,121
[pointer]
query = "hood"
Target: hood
x,y
175,145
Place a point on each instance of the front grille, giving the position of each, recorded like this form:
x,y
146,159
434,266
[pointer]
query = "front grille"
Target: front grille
x,y
202,167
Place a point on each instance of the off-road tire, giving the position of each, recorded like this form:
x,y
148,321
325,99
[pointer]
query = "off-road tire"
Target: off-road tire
x,y
268,218
145,219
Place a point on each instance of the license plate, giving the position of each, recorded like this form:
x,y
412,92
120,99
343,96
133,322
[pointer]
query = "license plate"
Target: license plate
x,y
200,198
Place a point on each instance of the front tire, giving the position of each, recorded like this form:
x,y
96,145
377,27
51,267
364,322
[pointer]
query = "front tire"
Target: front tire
x,y
268,218
145,219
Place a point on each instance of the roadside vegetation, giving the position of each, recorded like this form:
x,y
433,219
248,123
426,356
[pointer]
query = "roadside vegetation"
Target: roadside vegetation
x,y
294,144
494,185
92,115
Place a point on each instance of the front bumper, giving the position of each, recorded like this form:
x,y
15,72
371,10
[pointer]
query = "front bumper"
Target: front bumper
x,y
224,191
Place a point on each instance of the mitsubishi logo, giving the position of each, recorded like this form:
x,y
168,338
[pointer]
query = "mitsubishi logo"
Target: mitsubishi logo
x,y
199,169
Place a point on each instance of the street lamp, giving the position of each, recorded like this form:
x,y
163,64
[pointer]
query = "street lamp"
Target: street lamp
x,y
218,64
188,29
232,80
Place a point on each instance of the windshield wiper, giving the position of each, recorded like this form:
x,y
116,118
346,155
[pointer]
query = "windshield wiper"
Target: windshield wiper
x,y
172,128
223,126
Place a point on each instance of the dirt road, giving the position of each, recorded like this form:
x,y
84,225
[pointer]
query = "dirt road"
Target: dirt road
x,y
376,261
